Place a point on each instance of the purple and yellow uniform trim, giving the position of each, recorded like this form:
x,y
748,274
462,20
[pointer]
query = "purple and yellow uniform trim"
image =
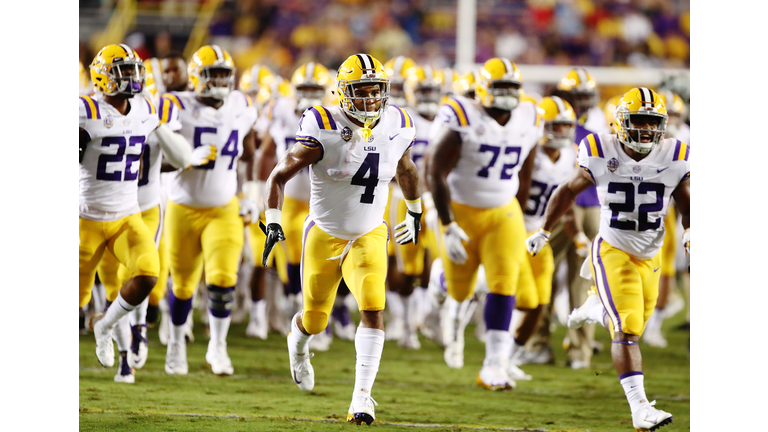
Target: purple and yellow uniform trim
x,y
175,99
681,151
594,148
248,100
601,282
166,109
268,110
323,117
461,113
308,141
405,119
150,105
91,108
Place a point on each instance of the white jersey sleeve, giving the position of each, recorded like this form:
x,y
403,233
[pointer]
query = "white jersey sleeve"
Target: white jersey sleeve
x,y
282,129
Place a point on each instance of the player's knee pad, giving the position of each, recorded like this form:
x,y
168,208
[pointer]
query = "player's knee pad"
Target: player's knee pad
x,y
314,321
158,292
220,300
85,295
221,278
184,291
372,295
633,324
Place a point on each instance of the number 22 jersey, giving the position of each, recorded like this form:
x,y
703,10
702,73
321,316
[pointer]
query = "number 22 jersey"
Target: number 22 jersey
x,y
349,184
109,171
634,196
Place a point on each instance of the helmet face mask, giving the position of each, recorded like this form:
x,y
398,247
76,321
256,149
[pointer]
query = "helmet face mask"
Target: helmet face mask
x,y
583,100
427,99
641,132
505,94
559,133
308,96
211,72
361,100
498,84
217,81
129,77
397,94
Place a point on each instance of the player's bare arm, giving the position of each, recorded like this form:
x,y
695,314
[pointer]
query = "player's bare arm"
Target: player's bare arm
x,y
565,196
408,176
444,155
294,160
682,196
249,150
267,160
525,175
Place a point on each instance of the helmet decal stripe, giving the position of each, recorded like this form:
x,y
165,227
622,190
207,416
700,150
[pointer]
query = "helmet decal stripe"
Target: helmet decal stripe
x,y
370,61
363,61
219,53
560,104
582,74
309,71
647,97
507,66
428,73
128,50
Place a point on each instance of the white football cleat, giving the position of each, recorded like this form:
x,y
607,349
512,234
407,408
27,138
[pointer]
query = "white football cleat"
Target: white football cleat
x,y
410,340
542,356
454,354
176,359
344,332
139,348
494,377
189,334
580,315
395,329
124,372
321,341
257,328
655,339
105,349
648,418
301,369
516,373
164,329
579,364
218,358
361,410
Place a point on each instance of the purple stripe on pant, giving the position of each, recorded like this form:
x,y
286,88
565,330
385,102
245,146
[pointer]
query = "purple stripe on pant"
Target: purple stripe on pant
x,y
304,244
605,284
498,311
179,308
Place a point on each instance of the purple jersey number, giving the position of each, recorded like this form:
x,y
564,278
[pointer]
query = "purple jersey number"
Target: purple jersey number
x,y
371,163
539,197
628,206
506,169
104,159
230,148
198,141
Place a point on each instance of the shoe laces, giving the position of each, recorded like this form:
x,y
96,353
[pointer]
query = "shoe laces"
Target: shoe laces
x,y
302,365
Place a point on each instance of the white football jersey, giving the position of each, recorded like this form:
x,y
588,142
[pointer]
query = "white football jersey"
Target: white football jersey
x,y
109,171
350,183
282,129
152,157
419,147
546,177
634,196
213,184
491,154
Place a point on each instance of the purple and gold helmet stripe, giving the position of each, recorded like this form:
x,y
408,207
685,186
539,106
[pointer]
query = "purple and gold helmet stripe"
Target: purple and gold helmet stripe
x,y
582,74
366,62
559,103
219,53
508,68
128,50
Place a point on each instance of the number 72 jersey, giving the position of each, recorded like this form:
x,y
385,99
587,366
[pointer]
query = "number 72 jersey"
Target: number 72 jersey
x,y
634,196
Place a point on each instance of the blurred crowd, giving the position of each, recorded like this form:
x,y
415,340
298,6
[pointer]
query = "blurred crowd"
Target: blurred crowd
x,y
283,33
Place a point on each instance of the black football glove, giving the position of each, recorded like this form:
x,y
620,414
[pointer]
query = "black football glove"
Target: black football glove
x,y
274,233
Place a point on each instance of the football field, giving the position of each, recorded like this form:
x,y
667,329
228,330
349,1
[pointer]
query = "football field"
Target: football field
x,y
414,389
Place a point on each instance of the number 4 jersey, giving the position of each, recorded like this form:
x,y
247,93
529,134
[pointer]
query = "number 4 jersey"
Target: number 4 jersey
x,y
349,184
215,183
491,154
634,196
109,171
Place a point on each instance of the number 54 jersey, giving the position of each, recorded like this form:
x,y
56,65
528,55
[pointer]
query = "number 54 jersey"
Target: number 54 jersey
x,y
213,184
634,196
349,184
491,154
109,171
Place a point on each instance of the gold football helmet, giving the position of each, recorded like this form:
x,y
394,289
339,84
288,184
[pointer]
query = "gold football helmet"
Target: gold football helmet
x,y
211,72
498,84
257,83
675,111
641,106
85,81
559,122
422,89
310,81
362,70
397,70
583,89
465,85
117,69
154,82
610,111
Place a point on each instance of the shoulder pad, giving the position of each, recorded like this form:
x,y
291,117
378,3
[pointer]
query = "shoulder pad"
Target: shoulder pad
x,y
91,108
682,151
175,99
593,145
406,120
458,109
323,116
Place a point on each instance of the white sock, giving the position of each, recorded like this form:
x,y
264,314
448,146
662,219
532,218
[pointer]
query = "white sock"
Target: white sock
x,y
139,317
122,334
425,304
219,327
369,343
118,309
177,332
258,310
410,309
395,305
516,350
297,338
99,297
654,322
634,390
596,312
498,344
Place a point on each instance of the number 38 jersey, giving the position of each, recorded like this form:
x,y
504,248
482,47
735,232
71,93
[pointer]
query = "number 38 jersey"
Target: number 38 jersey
x,y
546,177
349,184
282,127
109,171
634,196
491,154
213,184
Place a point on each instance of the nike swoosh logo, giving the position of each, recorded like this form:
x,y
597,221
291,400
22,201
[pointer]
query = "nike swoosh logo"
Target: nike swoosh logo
x,y
655,270
660,170
294,378
143,121
393,136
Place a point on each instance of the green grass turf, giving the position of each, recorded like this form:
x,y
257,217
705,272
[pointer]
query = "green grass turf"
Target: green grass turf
x,y
414,387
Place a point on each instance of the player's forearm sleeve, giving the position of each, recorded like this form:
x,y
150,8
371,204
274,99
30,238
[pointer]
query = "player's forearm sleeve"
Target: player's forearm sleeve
x,y
175,147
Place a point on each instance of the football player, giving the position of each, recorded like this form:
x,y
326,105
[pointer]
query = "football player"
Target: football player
x,y
636,171
479,171
205,227
353,150
114,126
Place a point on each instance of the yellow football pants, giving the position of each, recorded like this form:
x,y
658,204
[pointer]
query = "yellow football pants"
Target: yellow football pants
x,y
628,287
534,287
496,240
364,269
256,239
197,237
128,239
410,257
113,274
669,249
390,217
